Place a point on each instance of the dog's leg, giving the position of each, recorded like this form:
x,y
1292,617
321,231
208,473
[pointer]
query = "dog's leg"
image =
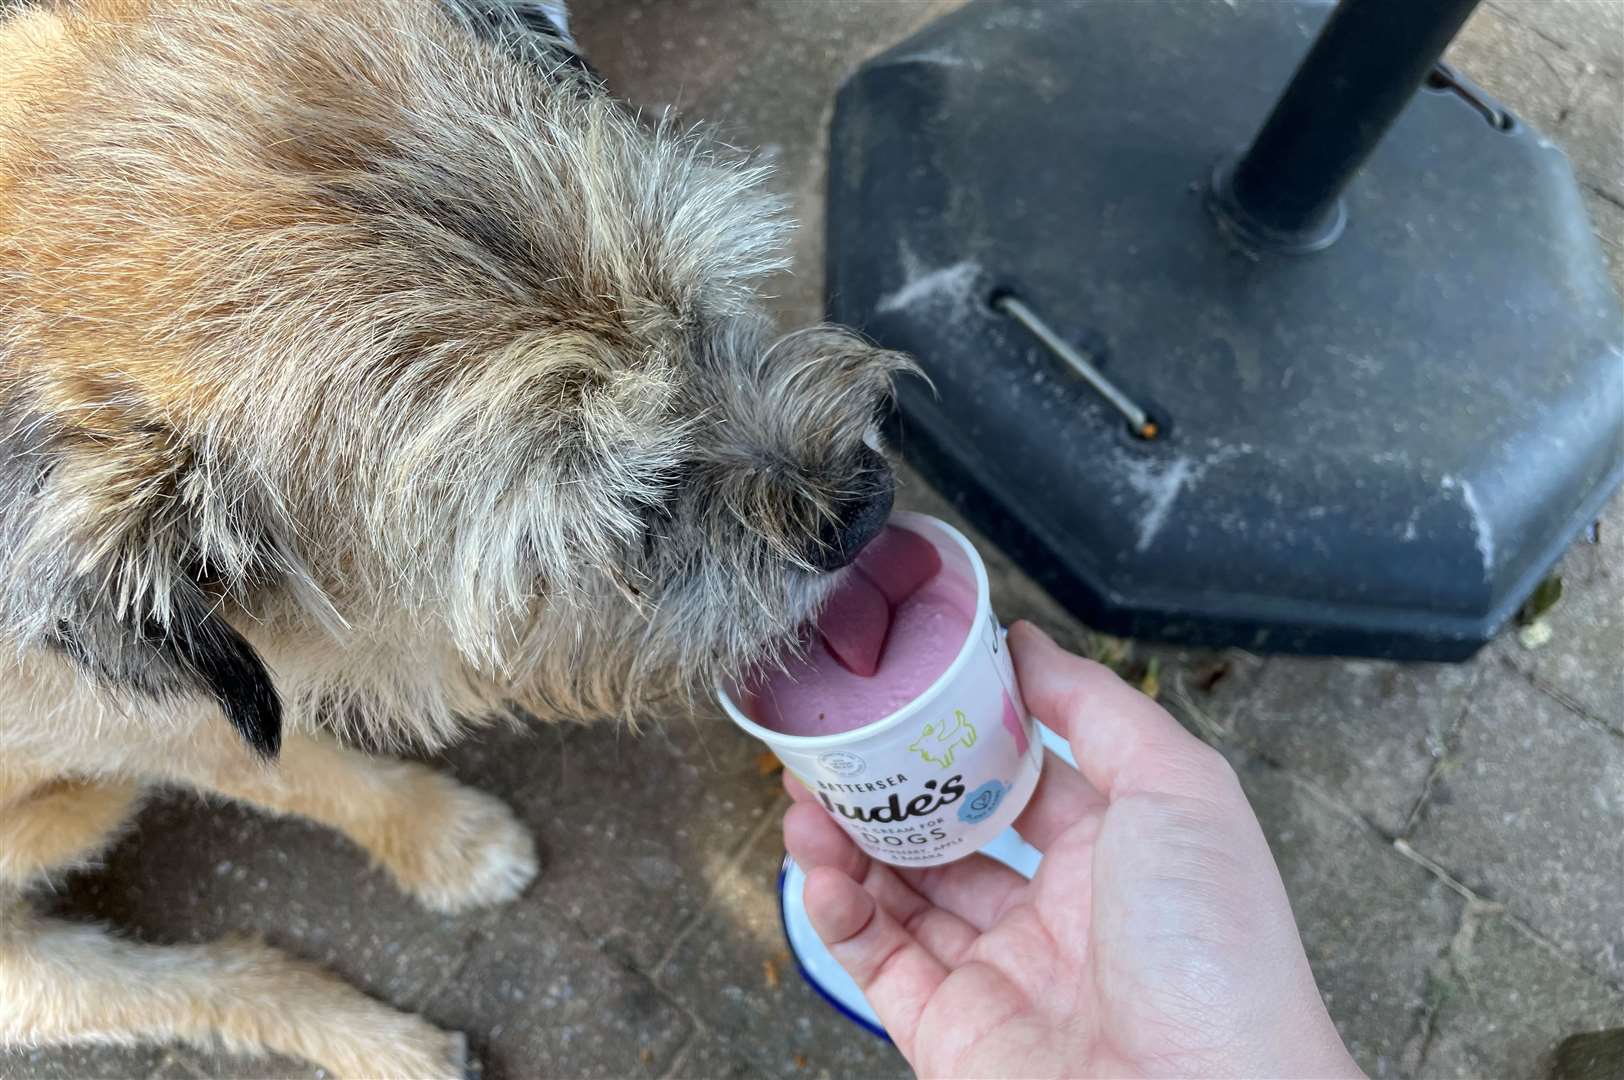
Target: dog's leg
x,y
61,982
451,846
58,825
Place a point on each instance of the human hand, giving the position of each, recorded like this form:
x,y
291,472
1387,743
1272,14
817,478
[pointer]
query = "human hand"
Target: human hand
x,y
1155,940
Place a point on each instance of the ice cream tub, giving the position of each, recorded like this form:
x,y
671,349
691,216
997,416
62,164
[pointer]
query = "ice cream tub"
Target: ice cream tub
x,y
944,773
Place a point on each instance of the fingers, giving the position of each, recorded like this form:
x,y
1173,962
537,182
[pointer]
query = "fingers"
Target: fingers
x,y
796,790
971,893
813,839
1122,740
896,973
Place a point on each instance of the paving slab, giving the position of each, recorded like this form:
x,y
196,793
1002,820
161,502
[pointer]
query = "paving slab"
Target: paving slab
x,y
190,1064
1591,29
1593,134
1606,217
175,1068
1595,130
1583,660
1490,50
710,1056
732,971
83,1063
1526,811
634,827
1365,732
195,871
1504,1000
1373,923
536,997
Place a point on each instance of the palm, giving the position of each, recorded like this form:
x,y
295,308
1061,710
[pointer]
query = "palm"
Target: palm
x,y
1009,1004
1035,983
1155,939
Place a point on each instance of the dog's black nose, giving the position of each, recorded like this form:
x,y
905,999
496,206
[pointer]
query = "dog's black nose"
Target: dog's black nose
x,y
860,518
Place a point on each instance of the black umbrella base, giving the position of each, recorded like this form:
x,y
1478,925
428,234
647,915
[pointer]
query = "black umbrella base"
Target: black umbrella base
x,y
1378,448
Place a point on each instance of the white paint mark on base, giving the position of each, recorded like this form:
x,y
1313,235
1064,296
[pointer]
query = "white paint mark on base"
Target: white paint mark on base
x,y
1483,532
1161,488
951,283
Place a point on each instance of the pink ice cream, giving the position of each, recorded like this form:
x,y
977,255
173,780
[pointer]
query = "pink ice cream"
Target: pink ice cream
x,y
888,633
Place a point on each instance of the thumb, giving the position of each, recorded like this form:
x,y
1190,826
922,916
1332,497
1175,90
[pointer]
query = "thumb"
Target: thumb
x,y
1122,740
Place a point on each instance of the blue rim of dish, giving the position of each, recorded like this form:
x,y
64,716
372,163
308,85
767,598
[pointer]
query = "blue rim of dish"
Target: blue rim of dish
x,y
840,1006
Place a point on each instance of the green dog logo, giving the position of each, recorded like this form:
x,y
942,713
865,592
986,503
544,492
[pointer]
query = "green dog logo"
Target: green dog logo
x,y
940,741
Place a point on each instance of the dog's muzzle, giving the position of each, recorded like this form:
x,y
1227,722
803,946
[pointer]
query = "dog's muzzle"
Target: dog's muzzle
x,y
858,519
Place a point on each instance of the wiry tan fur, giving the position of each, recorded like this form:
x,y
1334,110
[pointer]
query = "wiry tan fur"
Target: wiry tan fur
x,y
405,361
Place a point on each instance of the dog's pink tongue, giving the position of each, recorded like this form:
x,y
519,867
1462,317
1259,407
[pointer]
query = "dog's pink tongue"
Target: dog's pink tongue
x,y
898,562
854,625
858,617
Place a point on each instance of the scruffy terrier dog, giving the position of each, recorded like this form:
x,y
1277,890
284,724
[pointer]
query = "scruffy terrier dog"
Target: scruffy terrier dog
x,y
366,369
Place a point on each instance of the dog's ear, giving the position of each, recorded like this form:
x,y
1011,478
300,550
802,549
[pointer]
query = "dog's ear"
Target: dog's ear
x,y
111,552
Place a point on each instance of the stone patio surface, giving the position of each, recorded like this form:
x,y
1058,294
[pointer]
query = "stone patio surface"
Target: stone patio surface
x,y
1452,837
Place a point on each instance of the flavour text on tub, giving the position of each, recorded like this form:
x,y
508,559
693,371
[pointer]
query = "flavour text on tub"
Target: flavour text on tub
x,y
892,810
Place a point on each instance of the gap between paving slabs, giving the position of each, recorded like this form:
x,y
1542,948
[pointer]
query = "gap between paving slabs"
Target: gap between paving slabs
x,y
1242,752
1224,735
1511,833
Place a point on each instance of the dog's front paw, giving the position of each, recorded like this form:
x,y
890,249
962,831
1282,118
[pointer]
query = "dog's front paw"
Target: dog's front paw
x,y
403,1046
458,848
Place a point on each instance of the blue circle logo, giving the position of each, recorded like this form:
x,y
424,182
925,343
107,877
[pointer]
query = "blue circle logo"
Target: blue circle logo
x,y
980,803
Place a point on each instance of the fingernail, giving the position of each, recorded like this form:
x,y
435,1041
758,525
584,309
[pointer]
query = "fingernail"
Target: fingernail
x,y
1038,632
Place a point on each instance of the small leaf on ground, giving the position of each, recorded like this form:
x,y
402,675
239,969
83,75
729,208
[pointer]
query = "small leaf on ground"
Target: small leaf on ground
x,y
1543,599
1113,652
1150,684
1534,635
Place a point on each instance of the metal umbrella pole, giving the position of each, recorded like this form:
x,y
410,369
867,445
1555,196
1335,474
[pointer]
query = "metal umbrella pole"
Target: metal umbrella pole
x,y
1285,191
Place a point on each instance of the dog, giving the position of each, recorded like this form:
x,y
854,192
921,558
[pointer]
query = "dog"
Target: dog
x,y
368,373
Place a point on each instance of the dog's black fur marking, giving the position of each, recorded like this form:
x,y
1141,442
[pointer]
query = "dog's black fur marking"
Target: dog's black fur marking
x,y
191,650
221,662
197,653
